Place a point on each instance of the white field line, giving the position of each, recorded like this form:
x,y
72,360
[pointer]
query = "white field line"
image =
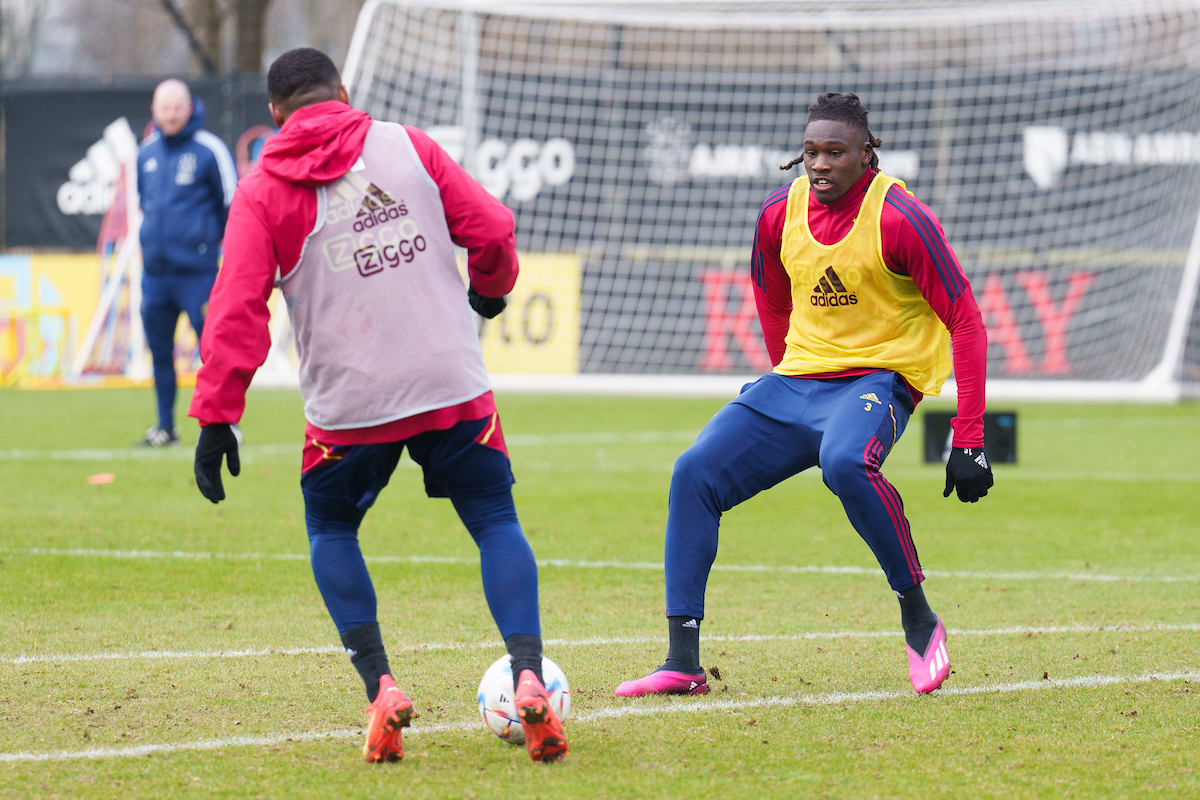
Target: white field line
x,y
1110,423
568,439
691,707
152,655
600,437
840,698
294,449
251,452
625,465
653,566
139,453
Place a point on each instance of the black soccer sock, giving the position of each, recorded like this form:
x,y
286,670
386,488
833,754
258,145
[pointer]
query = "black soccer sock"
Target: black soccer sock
x,y
683,653
364,645
918,619
526,652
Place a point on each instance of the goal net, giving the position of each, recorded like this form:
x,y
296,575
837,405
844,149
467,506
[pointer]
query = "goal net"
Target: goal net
x,y
1058,142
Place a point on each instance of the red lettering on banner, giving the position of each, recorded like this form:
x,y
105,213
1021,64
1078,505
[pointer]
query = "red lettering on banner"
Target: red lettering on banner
x,y
730,314
1056,320
1002,326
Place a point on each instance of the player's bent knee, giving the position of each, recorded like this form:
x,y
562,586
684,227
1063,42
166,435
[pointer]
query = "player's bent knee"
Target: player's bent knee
x,y
692,471
842,473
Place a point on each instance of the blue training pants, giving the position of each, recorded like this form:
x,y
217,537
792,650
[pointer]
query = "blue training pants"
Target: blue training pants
x,y
165,295
780,426
478,480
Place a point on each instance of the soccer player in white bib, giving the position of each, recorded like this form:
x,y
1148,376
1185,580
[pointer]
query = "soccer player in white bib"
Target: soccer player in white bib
x,y
355,220
860,298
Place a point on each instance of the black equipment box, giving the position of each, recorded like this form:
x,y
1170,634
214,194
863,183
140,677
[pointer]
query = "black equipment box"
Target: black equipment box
x,y
999,436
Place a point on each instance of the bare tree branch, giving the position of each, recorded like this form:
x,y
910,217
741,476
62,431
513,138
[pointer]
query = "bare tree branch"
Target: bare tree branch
x,y
251,34
182,23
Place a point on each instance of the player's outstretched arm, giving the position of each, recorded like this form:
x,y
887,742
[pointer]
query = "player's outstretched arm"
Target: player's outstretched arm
x,y
216,441
478,222
234,345
915,245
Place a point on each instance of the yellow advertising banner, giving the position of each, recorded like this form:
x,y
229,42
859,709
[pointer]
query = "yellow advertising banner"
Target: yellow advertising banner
x,y
46,303
539,330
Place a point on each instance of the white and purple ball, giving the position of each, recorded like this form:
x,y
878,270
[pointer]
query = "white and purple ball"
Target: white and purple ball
x,y
496,702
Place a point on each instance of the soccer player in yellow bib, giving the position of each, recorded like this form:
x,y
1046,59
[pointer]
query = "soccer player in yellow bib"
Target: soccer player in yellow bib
x,y
860,299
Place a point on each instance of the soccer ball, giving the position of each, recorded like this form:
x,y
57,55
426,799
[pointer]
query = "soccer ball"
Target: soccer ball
x,y
496,704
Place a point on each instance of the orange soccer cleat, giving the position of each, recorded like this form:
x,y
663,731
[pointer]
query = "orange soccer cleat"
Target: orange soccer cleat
x,y
544,737
391,711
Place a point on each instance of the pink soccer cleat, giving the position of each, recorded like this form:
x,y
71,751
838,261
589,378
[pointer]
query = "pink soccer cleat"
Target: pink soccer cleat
x,y
928,673
664,682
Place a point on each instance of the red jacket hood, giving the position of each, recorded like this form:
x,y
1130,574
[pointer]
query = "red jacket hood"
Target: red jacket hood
x,y
317,145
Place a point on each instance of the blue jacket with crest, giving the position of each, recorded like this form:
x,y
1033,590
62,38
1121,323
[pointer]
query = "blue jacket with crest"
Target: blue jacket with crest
x,y
185,183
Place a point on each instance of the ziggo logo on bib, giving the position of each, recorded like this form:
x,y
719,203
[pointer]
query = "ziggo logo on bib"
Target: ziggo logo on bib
x,y
371,251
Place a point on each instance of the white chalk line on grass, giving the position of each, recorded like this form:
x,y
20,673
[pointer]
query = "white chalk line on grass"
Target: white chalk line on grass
x,y
839,698
140,453
252,451
653,566
153,655
294,448
558,439
692,707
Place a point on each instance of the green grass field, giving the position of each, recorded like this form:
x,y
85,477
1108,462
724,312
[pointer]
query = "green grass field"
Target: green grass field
x,y
1072,593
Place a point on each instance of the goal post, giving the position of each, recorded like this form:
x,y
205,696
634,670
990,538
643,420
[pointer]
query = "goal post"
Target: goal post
x,y
1058,141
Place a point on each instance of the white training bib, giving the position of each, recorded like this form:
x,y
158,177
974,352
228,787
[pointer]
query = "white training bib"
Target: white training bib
x,y
377,303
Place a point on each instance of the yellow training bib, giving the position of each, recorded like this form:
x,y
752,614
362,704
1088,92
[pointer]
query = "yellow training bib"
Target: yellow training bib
x,y
849,310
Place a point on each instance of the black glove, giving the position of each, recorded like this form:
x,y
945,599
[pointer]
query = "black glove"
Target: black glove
x,y
486,307
968,472
216,441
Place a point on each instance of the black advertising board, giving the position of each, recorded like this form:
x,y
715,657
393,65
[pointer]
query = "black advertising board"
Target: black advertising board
x,y
1070,196
52,126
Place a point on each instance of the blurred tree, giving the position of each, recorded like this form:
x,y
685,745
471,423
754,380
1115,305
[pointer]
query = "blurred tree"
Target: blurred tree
x,y
139,37
115,37
20,24
206,18
251,18
324,24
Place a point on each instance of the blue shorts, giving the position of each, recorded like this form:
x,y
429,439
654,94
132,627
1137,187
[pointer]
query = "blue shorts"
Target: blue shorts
x,y
455,464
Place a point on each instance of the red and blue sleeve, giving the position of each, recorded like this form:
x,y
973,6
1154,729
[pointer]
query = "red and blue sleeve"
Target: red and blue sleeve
x,y
915,245
772,287
477,221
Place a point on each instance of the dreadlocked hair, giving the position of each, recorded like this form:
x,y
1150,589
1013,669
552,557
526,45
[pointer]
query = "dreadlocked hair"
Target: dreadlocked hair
x,y
845,108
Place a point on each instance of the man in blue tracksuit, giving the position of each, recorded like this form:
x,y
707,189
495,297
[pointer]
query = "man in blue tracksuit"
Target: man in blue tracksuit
x,y
186,179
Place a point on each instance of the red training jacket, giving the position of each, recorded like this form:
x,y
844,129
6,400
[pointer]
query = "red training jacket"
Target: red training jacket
x,y
273,212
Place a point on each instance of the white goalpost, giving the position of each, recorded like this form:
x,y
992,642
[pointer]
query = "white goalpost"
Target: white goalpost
x,y
1058,141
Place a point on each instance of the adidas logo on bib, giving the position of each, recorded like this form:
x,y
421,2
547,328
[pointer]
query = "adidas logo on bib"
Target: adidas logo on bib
x,y
374,200
376,208
831,292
